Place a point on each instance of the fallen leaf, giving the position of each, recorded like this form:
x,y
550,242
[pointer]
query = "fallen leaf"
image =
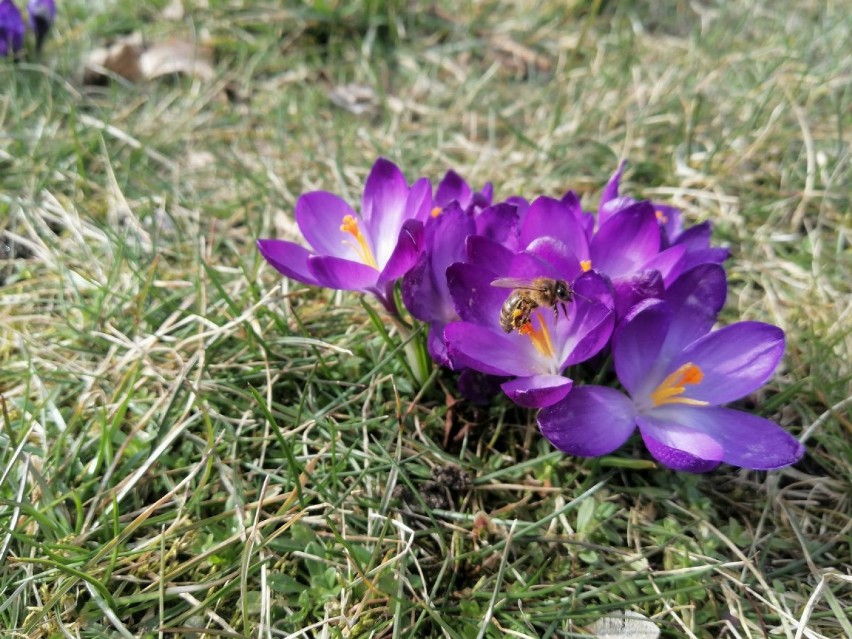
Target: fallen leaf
x,y
625,625
135,60
120,58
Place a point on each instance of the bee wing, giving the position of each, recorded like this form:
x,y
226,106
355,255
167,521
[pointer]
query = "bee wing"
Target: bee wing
x,y
515,282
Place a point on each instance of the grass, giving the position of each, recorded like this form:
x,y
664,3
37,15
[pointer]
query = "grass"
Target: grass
x,y
192,448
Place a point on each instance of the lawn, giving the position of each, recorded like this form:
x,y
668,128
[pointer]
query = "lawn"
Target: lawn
x,y
193,446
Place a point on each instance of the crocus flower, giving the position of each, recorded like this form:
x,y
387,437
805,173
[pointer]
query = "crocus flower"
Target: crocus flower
x,y
695,239
42,14
454,188
536,356
12,28
677,376
424,288
625,248
357,252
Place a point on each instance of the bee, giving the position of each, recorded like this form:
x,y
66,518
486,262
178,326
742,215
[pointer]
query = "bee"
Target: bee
x,y
528,295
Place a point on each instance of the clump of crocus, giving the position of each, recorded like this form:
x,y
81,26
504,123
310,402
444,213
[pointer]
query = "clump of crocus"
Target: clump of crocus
x,y
638,288
12,28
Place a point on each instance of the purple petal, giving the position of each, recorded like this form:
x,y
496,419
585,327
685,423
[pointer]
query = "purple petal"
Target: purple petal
x,y
405,253
537,391
547,217
696,237
424,288
563,264
418,291
735,360
590,321
636,345
383,207
671,222
610,192
385,192
587,223
12,28
489,254
668,262
319,215
288,258
419,204
499,223
633,289
346,275
474,299
696,298
490,351
627,241
705,256
485,197
746,440
449,233
675,458
590,421
436,345
42,14
453,188
678,446
572,201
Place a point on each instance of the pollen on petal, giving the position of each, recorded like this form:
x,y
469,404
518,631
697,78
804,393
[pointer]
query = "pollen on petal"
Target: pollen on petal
x,y
661,217
586,265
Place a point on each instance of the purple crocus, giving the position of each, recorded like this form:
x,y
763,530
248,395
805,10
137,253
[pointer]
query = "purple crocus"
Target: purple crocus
x,y
625,248
454,188
424,288
537,355
357,252
12,28
42,14
695,240
677,375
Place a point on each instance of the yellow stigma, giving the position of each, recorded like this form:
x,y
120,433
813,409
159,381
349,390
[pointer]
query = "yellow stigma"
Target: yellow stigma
x,y
436,211
540,337
670,389
586,265
350,225
661,217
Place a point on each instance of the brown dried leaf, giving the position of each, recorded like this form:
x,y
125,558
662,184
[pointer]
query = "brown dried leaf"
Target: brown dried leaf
x,y
177,56
121,58
133,59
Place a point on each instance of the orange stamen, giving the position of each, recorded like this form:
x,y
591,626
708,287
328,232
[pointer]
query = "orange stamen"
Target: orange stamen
x,y
350,225
540,337
586,265
436,211
661,217
670,389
